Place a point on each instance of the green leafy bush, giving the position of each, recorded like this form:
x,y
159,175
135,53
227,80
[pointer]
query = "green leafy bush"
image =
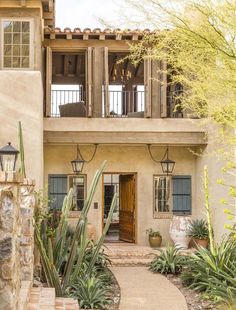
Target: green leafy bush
x,y
198,229
92,292
168,261
214,274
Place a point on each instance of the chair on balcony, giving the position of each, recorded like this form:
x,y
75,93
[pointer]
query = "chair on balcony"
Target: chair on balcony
x,y
136,114
76,109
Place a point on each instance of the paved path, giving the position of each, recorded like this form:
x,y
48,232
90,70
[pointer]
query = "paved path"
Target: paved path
x,y
143,290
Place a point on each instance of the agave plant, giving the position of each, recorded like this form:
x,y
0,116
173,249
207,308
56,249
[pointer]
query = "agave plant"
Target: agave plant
x,y
91,292
198,229
213,273
58,251
168,261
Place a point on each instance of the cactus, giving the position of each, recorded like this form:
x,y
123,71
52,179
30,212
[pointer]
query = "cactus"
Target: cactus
x,y
22,152
63,249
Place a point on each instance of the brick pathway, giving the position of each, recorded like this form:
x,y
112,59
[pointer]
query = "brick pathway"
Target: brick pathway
x,y
143,290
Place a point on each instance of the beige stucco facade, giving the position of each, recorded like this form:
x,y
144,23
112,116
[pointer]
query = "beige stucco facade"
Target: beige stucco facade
x,y
125,159
50,143
21,96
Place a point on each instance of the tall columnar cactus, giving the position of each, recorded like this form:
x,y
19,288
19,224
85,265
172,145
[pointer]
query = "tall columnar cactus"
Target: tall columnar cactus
x,y
70,252
22,151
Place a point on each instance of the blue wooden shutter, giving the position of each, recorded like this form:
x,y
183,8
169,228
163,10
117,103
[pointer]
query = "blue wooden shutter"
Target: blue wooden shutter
x,y
182,198
57,190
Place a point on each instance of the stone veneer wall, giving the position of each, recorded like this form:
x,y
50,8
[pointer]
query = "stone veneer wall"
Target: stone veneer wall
x,y
27,203
16,237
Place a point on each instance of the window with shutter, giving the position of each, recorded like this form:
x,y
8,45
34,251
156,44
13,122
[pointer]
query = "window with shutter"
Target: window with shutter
x,y
57,190
182,196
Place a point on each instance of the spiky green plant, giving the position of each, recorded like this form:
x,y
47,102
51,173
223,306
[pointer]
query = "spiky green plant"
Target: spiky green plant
x,y
58,251
168,261
198,229
22,152
91,292
214,274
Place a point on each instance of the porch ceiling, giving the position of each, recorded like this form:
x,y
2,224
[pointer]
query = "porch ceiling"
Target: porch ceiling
x,y
124,131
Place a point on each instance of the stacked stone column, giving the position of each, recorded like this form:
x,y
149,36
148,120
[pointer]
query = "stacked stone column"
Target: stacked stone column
x,y
10,230
27,203
16,237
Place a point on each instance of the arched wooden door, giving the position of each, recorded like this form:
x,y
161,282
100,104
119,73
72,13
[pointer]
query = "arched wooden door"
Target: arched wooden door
x,y
127,208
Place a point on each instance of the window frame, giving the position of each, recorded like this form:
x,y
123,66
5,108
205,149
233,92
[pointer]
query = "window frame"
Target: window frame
x,y
31,44
167,215
70,176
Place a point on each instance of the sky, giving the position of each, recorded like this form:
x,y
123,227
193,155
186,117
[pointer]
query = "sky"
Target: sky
x,y
85,13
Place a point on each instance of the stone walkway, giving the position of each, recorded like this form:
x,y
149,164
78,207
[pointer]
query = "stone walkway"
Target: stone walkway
x,y
143,290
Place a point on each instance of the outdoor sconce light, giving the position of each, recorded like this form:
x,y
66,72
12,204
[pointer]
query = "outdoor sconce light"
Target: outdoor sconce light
x,y
78,163
167,165
8,157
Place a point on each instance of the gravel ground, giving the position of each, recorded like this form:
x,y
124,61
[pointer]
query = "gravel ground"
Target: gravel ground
x,y
193,299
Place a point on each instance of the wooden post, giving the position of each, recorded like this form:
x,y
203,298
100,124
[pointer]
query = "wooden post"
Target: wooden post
x,y
156,89
89,78
163,93
148,86
106,83
48,81
98,80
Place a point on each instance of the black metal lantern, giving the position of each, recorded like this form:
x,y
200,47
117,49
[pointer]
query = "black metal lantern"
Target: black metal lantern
x,y
167,164
8,157
78,163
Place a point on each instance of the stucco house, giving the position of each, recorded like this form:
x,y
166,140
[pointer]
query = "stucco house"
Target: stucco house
x,y
79,97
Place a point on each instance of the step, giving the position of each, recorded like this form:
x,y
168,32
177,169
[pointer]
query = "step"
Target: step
x,y
124,262
66,304
24,295
42,298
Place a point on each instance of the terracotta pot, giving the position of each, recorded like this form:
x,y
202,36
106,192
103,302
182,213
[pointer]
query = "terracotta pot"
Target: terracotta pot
x,y
155,242
201,242
179,231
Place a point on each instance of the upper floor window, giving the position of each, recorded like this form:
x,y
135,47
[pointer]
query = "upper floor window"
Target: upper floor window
x,y
16,36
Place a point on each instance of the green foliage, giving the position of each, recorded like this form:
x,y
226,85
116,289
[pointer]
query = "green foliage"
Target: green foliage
x,y
168,261
213,274
153,233
92,292
197,40
64,256
22,152
198,229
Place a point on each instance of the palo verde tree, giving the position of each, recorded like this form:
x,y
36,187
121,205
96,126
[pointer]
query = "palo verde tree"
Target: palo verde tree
x,y
197,39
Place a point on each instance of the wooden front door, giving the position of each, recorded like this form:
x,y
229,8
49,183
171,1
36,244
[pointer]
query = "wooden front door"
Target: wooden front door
x,y
127,208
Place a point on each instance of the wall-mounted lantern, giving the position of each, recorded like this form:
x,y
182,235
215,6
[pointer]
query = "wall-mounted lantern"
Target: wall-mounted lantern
x,y
8,158
167,165
78,163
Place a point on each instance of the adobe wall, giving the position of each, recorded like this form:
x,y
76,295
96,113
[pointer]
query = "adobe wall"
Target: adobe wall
x,y
21,99
133,159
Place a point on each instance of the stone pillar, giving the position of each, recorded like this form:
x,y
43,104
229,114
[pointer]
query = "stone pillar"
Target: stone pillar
x,y
27,203
10,229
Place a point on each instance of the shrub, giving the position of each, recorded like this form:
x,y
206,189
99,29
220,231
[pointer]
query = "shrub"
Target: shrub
x,y
153,233
214,274
198,229
168,261
92,292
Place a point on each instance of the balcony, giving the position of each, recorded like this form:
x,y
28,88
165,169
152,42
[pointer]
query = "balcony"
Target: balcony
x,y
123,103
68,102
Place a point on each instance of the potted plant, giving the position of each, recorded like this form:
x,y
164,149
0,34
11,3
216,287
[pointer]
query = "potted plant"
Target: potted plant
x,y
154,237
198,230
